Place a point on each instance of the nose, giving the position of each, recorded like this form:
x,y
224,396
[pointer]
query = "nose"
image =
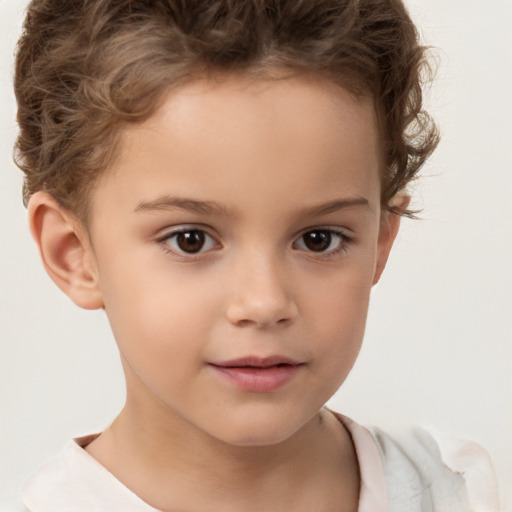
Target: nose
x,y
261,294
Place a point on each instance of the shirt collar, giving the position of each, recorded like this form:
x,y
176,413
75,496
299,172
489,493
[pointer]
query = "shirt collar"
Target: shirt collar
x,y
76,482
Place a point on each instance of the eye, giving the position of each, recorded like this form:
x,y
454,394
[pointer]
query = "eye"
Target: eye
x,y
188,241
323,240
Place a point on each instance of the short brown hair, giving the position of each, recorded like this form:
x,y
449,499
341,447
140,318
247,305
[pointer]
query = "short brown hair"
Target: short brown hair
x,y
85,68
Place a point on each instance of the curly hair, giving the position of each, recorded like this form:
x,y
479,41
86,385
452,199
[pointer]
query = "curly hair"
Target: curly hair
x,y
86,68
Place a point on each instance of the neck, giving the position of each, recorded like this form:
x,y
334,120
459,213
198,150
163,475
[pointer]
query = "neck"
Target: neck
x,y
163,458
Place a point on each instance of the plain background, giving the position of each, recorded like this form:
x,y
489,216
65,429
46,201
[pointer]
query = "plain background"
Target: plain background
x,y
438,349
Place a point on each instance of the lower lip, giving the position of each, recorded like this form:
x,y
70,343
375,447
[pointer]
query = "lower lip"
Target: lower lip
x,y
258,380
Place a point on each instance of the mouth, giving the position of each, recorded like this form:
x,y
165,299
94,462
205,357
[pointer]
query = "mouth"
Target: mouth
x,y
256,374
257,362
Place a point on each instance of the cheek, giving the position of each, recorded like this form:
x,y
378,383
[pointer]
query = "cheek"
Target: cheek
x,y
339,320
341,327
159,317
341,296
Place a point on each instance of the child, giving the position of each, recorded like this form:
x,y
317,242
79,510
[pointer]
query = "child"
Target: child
x,y
226,179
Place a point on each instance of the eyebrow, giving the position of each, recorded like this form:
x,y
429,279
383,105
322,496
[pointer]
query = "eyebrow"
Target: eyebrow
x,y
212,207
336,205
183,203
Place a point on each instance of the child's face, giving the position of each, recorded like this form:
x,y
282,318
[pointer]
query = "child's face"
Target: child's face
x,y
274,187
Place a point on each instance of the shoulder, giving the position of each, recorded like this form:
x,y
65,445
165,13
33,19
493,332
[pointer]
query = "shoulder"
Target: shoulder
x,y
428,470
74,480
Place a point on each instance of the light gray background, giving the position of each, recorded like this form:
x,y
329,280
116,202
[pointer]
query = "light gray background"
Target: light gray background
x,y
438,348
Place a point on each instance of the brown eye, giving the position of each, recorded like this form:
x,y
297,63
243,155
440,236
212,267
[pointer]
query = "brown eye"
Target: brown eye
x,y
318,240
324,241
188,241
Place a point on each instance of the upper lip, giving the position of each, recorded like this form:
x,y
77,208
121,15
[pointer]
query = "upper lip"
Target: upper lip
x,y
256,362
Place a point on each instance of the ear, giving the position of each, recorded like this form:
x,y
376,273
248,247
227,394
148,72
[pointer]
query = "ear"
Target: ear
x,y
65,250
389,225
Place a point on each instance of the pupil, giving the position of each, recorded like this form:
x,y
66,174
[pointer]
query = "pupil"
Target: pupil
x,y
190,241
317,240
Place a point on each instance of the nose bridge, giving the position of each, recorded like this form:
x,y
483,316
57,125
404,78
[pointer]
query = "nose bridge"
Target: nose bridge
x,y
261,293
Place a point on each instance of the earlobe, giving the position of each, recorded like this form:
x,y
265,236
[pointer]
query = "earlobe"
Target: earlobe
x,y
65,251
389,225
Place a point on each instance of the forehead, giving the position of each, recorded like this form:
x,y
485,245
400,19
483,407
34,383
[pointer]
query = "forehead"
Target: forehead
x,y
251,141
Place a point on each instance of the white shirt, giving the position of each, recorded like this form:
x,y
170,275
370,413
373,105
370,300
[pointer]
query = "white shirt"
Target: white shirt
x,y
76,482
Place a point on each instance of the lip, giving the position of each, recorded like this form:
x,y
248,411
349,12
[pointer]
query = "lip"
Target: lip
x,y
256,361
258,374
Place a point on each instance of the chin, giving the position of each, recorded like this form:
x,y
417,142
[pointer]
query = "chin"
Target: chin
x,y
262,430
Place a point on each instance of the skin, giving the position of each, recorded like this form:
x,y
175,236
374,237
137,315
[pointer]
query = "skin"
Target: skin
x,y
269,152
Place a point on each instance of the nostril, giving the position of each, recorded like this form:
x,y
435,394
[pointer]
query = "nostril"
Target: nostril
x,y
262,306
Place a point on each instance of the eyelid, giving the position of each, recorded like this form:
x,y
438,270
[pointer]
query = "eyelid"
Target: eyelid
x,y
345,235
171,232
342,231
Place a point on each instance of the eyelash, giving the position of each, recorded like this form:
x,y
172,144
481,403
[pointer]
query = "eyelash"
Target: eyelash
x,y
342,247
343,244
164,242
